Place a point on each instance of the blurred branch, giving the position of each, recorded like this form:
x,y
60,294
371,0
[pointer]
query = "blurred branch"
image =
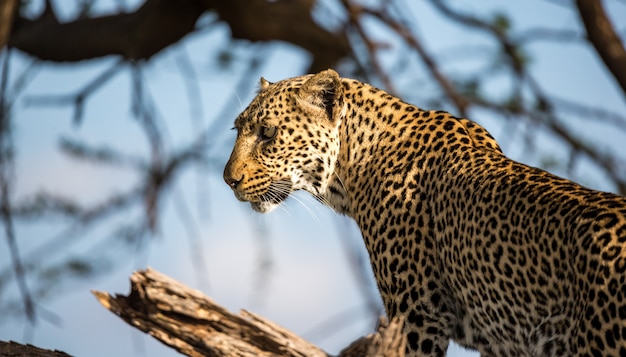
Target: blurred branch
x,y
611,164
44,204
159,177
597,114
513,57
411,39
83,220
137,35
193,89
49,265
78,99
133,37
157,24
51,272
9,231
360,266
8,9
102,155
6,180
354,17
604,39
20,83
289,21
545,108
157,172
247,80
263,263
543,34
194,237
191,80
498,27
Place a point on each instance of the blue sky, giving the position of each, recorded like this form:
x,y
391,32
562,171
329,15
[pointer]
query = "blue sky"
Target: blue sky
x,y
309,279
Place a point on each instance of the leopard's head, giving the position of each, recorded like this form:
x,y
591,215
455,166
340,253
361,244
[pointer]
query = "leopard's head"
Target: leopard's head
x,y
287,140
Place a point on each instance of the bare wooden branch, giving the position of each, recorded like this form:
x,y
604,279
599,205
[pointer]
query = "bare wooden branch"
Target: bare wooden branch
x,y
14,349
194,325
388,341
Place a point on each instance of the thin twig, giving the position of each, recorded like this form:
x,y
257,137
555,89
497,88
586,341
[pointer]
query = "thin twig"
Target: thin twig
x,y
354,17
544,34
359,265
6,178
77,99
194,237
193,89
457,99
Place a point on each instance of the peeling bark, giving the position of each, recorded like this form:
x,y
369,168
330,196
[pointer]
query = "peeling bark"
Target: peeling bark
x,y
14,349
194,325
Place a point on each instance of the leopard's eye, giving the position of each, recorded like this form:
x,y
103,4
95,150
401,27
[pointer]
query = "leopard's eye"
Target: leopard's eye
x,y
268,133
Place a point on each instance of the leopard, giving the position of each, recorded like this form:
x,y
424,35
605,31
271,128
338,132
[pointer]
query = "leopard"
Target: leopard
x,y
465,244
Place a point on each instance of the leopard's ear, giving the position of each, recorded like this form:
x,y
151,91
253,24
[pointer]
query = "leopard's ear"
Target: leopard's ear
x,y
263,84
324,91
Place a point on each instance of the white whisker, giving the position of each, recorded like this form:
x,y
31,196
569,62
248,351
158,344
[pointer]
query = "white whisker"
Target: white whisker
x,y
241,107
340,181
279,190
324,198
301,201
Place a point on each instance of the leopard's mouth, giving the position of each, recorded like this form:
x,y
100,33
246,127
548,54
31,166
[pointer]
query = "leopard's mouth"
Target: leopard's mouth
x,y
277,192
274,197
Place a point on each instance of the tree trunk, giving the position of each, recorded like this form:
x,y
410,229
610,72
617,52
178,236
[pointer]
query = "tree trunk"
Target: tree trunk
x,y
194,325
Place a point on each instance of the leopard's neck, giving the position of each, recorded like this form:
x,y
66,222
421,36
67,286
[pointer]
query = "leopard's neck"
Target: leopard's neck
x,y
371,133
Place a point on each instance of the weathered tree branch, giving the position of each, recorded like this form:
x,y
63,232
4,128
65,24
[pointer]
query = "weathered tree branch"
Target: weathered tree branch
x,y
14,349
158,24
194,325
604,39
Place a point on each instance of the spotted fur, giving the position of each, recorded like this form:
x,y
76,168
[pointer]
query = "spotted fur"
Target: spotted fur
x,y
464,242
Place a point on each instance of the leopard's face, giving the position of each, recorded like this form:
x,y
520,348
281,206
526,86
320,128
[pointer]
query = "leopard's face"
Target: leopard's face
x,y
287,140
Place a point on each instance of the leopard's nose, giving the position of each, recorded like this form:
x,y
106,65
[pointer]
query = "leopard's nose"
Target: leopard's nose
x,y
232,181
